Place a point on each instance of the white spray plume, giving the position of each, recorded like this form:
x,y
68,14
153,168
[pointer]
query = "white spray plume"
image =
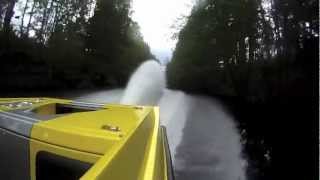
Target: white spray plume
x,y
145,86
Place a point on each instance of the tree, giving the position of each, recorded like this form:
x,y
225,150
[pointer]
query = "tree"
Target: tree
x,y
22,18
31,13
222,56
113,41
74,40
8,15
244,48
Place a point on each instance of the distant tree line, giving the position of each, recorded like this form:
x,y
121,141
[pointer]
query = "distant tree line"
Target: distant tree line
x,y
255,49
68,43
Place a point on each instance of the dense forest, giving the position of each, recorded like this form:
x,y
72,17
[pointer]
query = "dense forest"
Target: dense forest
x,y
255,49
46,44
261,57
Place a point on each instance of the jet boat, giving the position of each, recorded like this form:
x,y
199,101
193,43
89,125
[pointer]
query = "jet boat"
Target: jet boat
x,y
48,138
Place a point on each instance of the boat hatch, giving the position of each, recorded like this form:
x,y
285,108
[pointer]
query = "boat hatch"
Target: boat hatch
x,y
50,166
57,108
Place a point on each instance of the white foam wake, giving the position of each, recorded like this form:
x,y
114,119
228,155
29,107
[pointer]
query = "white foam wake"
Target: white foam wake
x,y
146,85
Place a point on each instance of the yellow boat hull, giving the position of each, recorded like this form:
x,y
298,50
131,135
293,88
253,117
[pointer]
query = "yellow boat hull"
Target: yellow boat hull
x,y
65,139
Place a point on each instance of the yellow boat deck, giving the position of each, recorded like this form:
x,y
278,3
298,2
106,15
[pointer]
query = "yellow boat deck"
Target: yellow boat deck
x,y
118,142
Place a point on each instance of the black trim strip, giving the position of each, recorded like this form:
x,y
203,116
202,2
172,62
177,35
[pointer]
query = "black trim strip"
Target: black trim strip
x,y
87,104
19,125
15,133
168,154
19,116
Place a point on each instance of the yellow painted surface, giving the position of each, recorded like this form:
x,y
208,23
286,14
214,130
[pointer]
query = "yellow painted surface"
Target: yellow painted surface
x,y
137,157
46,109
122,142
153,166
84,131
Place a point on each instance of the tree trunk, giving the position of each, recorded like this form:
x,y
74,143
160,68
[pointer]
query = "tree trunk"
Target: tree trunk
x,y
31,14
251,49
22,18
8,16
43,22
2,5
57,17
45,28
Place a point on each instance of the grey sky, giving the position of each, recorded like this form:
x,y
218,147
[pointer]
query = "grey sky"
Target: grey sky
x,y
156,18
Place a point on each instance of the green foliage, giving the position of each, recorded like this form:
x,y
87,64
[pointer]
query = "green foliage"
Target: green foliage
x,y
124,49
81,43
243,48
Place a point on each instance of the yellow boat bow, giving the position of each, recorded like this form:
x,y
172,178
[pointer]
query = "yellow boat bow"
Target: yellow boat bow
x,y
46,138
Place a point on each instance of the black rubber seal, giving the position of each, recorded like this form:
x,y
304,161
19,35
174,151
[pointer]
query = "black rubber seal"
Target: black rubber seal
x,y
170,170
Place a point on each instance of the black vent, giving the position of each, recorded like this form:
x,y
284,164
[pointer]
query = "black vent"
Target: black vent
x,y
54,167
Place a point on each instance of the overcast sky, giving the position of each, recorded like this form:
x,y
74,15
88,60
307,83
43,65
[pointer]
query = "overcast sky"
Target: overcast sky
x,y
156,18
